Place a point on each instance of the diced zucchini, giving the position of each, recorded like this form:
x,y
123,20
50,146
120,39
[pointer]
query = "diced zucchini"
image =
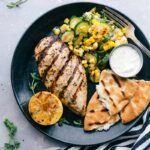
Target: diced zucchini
x,y
82,27
74,21
67,36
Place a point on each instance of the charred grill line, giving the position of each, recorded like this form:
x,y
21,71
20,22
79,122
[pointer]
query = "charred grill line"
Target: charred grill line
x,y
43,54
116,80
45,72
78,88
62,69
119,85
70,79
108,93
54,60
50,44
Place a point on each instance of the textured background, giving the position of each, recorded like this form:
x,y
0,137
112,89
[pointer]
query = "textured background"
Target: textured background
x,y
13,23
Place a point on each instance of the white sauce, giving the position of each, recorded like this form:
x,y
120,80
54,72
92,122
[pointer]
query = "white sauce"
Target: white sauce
x,y
125,61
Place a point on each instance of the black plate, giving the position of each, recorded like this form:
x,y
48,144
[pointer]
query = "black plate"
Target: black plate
x,y
23,64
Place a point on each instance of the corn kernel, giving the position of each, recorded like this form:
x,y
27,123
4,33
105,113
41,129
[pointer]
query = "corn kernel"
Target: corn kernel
x,y
66,20
56,31
64,28
92,61
91,68
108,45
70,43
91,65
97,75
92,73
85,65
84,61
86,48
95,45
71,47
78,52
89,41
124,30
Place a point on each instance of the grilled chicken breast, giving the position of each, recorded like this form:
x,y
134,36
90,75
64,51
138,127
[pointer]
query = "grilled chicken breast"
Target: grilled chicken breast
x,y
62,73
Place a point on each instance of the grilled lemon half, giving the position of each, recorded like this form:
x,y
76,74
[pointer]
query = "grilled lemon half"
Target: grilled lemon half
x,y
45,108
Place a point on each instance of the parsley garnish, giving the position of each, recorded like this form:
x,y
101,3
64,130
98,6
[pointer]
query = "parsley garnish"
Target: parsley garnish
x,y
65,121
62,121
15,4
34,83
13,144
78,122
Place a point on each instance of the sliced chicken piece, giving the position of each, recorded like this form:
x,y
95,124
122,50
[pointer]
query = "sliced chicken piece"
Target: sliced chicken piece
x,y
43,44
54,70
51,52
66,75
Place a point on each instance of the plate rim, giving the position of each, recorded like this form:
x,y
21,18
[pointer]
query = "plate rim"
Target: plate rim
x,y
13,59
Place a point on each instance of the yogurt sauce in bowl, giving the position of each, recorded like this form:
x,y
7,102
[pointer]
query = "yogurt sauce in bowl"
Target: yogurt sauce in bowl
x,y
126,60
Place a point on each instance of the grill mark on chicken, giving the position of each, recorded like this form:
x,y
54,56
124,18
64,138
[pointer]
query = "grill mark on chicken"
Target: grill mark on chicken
x,y
54,38
61,71
45,72
70,79
78,88
53,72
44,53
54,60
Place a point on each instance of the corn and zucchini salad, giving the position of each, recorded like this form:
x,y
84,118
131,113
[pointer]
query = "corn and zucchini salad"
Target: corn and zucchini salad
x,y
91,37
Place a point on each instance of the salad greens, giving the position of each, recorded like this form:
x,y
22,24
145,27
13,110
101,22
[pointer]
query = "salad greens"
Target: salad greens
x,y
13,144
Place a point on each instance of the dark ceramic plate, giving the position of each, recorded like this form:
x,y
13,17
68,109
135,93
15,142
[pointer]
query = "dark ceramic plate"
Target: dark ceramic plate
x,y
23,64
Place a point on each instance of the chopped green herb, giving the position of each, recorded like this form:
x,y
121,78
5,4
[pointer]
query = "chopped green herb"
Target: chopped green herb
x,y
34,83
65,121
11,127
35,76
62,121
78,122
13,144
33,86
15,4
104,17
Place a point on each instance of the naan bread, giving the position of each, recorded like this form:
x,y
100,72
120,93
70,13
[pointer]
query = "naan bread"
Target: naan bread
x,y
97,117
137,103
115,92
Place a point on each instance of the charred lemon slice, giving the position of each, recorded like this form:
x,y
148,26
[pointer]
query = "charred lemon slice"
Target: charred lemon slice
x,y
45,108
